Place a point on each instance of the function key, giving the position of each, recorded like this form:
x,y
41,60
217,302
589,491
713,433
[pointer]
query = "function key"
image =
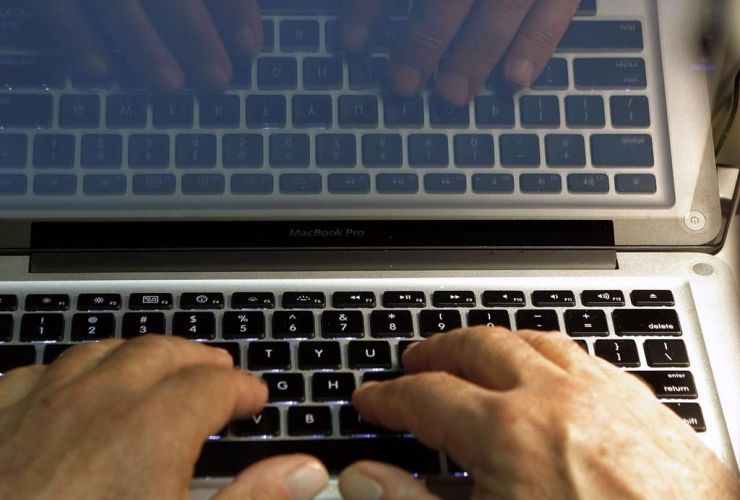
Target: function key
x,y
353,300
286,324
666,353
655,322
99,302
453,299
150,301
537,320
265,424
257,300
618,352
505,298
309,421
690,413
489,318
8,302
404,299
602,298
42,327
202,301
652,298
586,323
51,302
16,356
244,325
670,384
554,298
304,300
385,324
431,322
93,327
137,324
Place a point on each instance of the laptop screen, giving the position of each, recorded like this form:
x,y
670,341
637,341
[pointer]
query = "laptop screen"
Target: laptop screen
x,y
329,123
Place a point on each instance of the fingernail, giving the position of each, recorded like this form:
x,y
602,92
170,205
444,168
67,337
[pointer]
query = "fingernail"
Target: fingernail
x,y
215,76
246,41
355,36
521,72
305,482
358,486
454,89
407,80
169,78
97,64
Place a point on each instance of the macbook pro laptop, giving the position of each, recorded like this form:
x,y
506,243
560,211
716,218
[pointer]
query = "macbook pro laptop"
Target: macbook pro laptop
x,y
314,224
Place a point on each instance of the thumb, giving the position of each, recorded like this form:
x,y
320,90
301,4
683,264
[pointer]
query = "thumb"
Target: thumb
x,y
289,477
375,481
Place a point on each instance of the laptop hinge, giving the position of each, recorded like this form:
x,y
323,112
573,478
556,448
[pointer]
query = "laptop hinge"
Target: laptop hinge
x,y
323,260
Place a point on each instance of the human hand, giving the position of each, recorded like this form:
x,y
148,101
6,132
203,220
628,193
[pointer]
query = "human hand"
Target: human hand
x,y
531,415
122,419
523,33
163,40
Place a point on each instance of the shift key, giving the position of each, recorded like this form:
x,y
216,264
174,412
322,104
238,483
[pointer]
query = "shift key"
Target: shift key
x,y
26,111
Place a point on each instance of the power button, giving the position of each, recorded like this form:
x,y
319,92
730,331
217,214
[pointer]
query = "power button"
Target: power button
x,y
695,221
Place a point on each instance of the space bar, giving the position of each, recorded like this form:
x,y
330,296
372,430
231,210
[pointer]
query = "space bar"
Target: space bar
x,y
228,458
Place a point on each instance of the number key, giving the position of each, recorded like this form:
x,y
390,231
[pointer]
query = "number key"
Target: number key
x,y
489,318
341,324
391,324
244,325
42,327
93,327
292,324
137,324
194,325
439,322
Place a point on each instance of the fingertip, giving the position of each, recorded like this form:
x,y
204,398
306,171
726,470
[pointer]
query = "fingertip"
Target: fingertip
x,y
355,36
454,89
247,41
520,72
355,484
214,77
170,80
306,480
406,80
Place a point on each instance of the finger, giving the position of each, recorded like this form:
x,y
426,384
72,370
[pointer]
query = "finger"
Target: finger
x,y
432,27
494,358
289,477
128,24
77,361
240,23
359,17
206,398
67,23
433,406
187,26
538,39
364,480
146,361
16,384
561,350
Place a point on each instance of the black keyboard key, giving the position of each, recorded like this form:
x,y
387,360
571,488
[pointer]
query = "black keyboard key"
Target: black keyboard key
x,y
428,150
368,73
565,150
293,324
268,356
323,73
54,151
194,325
474,150
652,298
299,36
381,376
266,111
254,300
202,301
79,111
242,151
445,183
506,298
150,301
369,354
13,150
621,353
351,423
586,323
382,150
102,151
23,33
8,302
494,111
617,150
537,320
554,298
404,299
16,356
404,112
690,413
669,384
6,327
220,111
444,114
336,150
26,111
539,111
351,300
232,348
630,111
47,302
93,327
588,183
654,322
52,352
358,111
603,298
277,73
391,324
229,458
610,73
266,424
300,184
268,36
554,76
489,318
244,325
342,324
312,111
309,421
540,183
585,111
149,151
138,324
493,183
402,346
285,387
397,183
453,299
635,183
290,151
319,356
173,111
431,322
666,353
126,111
332,387
595,36
32,71
104,184
387,36
55,185
42,327
195,151
520,150
304,300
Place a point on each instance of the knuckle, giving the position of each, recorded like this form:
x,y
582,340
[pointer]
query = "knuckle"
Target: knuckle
x,y
542,39
427,45
479,57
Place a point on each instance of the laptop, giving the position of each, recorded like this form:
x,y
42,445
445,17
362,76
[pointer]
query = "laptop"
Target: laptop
x,y
316,248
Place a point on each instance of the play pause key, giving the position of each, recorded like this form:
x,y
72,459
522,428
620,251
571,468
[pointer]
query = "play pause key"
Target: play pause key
x,y
404,299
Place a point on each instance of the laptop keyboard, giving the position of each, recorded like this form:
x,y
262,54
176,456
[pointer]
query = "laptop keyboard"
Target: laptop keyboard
x,y
304,125
313,348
